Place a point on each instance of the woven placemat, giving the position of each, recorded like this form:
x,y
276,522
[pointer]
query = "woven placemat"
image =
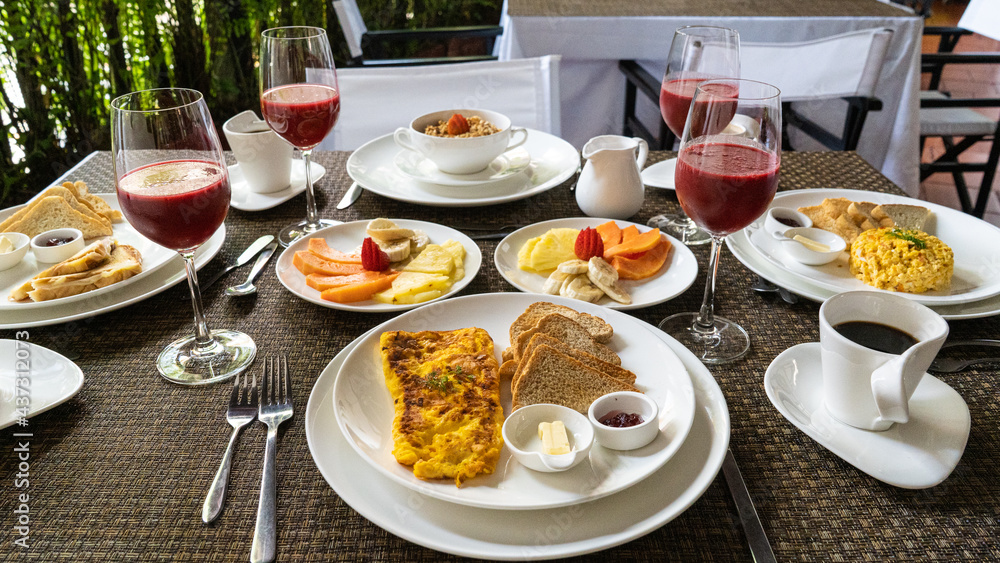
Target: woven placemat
x,y
704,8
120,471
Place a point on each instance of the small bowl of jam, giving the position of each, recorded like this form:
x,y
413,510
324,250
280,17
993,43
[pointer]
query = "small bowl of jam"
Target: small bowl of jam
x,y
624,420
13,247
57,245
780,219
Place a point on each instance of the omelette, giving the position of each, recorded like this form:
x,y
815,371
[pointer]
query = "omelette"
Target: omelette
x,y
446,395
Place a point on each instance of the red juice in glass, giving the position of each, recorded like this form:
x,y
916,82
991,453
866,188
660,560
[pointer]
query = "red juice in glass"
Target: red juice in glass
x,y
675,99
711,114
177,204
301,113
725,186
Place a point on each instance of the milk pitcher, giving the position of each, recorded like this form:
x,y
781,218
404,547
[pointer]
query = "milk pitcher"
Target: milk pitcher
x,y
610,185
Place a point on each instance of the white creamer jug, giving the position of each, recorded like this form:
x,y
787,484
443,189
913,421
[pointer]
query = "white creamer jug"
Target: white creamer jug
x,y
610,185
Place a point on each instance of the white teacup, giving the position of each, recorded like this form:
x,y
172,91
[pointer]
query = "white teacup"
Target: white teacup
x,y
864,387
265,158
460,155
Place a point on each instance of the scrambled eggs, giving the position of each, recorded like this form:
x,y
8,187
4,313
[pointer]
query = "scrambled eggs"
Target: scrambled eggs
x,y
905,260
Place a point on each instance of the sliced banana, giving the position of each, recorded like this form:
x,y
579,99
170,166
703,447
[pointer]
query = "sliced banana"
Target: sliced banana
x,y
396,249
384,230
599,271
615,291
580,288
419,241
554,282
573,267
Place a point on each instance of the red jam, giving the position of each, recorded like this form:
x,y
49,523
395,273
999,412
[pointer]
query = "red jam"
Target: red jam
x,y
619,419
57,241
788,221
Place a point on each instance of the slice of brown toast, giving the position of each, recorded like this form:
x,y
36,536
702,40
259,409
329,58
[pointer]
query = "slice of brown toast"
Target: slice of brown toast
x,y
590,360
549,376
903,215
598,328
54,212
562,328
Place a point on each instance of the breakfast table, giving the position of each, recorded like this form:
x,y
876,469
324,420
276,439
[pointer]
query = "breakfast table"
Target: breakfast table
x,y
593,35
119,472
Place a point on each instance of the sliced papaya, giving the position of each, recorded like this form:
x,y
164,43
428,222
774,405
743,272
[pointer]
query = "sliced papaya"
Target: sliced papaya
x,y
309,263
610,233
629,233
321,282
360,291
638,243
320,248
645,265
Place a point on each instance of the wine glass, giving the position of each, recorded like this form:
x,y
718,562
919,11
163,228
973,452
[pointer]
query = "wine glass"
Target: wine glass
x,y
300,101
697,53
727,173
173,187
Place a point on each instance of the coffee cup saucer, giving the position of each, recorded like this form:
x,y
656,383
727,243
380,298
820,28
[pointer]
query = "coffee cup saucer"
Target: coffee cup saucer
x,y
244,199
915,455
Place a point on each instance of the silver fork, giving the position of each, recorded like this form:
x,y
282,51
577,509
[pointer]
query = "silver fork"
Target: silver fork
x,y
275,408
242,411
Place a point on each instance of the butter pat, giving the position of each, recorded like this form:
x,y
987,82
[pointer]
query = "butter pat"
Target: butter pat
x,y
811,244
554,438
6,245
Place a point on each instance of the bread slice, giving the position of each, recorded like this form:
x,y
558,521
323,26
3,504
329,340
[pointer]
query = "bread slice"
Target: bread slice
x,y
860,213
903,215
125,262
598,328
568,331
54,212
96,202
589,360
549,376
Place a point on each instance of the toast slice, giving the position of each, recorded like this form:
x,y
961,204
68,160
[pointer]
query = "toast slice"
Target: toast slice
x,y
903,215
95,202
549,376
568,331
124,263
598,328
589,360
54,212
860,213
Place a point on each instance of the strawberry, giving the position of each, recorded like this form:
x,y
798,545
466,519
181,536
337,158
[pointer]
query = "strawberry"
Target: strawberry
x,y
373,258
457,125
588,244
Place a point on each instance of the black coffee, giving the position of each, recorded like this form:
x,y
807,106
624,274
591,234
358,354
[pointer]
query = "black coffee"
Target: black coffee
x,y
876,336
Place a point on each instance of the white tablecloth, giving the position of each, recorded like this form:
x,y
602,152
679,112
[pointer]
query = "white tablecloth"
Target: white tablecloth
x,y
592,89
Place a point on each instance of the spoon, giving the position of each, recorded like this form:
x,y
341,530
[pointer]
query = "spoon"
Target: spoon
x,y
955,365
247,287
763,286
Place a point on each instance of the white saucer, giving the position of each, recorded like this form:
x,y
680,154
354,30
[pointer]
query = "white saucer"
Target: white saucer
x,y
660,175
419,168
246,200
53,379
915,455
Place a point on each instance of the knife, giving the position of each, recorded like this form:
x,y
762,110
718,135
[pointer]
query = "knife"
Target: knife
x,y
247,255
760,548
352,195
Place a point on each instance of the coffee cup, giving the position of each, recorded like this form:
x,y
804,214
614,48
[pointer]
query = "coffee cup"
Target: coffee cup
x,y
265,158
460,155
875,349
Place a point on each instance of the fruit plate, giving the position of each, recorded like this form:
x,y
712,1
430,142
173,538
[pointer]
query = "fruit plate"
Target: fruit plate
x,y
674,277
348,236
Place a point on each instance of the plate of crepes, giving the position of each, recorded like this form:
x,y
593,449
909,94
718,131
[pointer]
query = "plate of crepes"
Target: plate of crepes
x,y
617,264
115,253
422,398
380,265
929,253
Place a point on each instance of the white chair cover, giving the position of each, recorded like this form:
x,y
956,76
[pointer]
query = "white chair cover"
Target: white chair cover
x,y
375,101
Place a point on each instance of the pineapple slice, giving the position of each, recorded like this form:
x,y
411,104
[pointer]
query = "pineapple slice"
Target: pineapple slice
x,y
544,253
433,260
408,285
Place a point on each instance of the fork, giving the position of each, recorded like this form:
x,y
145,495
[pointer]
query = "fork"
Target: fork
x,y
242,411
275,408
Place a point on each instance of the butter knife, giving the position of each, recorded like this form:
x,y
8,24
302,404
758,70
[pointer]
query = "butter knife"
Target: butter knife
x,y
352,195
760,548
247,256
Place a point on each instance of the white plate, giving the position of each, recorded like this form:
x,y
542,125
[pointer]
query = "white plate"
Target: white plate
x,y
51,379
660,175
246,200
422,169
976,244
348,236
915,455
364,409
533,534
553,160
154,257
676,275
164,278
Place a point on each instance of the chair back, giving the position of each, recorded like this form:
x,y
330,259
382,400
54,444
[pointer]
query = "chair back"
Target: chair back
x,y
377,100
352,24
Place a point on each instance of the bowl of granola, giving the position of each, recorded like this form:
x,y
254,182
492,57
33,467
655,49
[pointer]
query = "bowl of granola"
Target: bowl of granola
x,y
461,141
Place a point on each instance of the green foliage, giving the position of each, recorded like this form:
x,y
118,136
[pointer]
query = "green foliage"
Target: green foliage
x,y
63,61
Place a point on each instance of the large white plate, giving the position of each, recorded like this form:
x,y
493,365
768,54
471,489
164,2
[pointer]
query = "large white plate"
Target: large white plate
x,y
364,408
246,200
422,169
51,379
161,280
154,257
553,160
524,535
348,236
676,275
976,244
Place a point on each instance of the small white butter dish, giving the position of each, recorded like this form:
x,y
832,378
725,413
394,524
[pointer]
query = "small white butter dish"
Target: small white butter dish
x,y
629,437
14,256
44,251
520,435
805,251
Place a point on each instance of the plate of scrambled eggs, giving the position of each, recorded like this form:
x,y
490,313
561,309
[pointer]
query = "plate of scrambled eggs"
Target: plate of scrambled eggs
x,y
364,407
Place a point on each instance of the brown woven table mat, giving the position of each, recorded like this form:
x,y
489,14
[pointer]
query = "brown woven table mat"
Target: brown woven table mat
x,y
119,472
705,8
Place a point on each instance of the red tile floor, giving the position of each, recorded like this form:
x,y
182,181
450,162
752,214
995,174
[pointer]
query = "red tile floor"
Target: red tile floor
x,y
962,81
